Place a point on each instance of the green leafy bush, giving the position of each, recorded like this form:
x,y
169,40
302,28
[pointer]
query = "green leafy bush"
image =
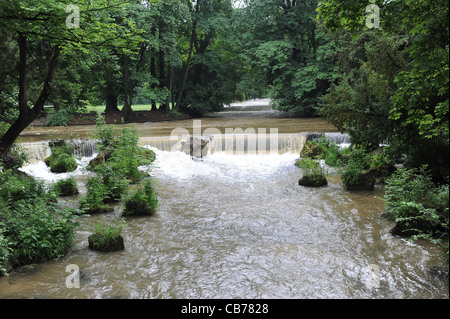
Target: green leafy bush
x,y
16,186
356,175
323,148
106,238
313,173
312,150
333,154
58,118
66,187
61,160
143,202
418,206
124,158
5,249
39,231
115,184
93,201
104,133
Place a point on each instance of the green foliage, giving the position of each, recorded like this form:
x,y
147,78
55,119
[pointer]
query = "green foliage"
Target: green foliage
x,y
58,118
39,232
31,224
360,102
5,249
394,86
106,235
336,156
310,167
17,187
112,179
96,194
142,202
313,173
104,133
287,50
312,150
66,187
125,156
418,206
355,175
62,160
323,148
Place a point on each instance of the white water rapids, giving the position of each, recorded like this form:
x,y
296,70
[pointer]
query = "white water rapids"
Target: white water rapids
x,y
240,226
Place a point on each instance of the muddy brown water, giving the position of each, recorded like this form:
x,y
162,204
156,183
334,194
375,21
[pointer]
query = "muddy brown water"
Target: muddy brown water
x,y
237,226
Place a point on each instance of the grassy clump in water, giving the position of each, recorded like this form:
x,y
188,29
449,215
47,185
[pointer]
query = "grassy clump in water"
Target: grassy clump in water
x,y
106,238
142,202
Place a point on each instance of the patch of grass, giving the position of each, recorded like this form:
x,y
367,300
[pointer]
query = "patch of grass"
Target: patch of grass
x,y
136,107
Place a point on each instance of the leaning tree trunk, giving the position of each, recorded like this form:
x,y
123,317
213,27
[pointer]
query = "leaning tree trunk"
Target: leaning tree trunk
x,y
188,62
26,114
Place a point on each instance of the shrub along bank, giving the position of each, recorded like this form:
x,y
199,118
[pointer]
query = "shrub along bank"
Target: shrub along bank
x,y
418,205
33,227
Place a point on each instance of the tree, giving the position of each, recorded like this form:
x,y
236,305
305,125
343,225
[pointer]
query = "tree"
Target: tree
x,y
421,100
360,102
47,24
204,84
417,117
291,51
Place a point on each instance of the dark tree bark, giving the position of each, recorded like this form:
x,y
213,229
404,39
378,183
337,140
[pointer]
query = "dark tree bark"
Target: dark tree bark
x,y
111,103
28,114
188,62
127,111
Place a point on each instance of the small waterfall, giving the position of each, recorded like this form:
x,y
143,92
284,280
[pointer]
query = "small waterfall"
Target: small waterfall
x,y
38,152
163,143
337,138
260,144
84,148
237,144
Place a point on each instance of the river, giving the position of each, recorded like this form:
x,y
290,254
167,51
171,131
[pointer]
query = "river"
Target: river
x,y
236,225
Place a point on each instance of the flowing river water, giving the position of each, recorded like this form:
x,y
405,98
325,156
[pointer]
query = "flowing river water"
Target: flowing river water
x,y
235,225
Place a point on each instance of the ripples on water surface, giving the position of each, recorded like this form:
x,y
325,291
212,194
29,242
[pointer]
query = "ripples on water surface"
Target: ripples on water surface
x,y
232,226
239,226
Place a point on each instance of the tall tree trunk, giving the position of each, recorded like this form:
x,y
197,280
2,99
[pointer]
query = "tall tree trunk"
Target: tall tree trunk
x,y
111,103
153,75
26,114
127,110
188,62
169,86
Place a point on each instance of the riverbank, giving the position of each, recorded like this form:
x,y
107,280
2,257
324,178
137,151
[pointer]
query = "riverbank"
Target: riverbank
x,y
116,118
143,116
